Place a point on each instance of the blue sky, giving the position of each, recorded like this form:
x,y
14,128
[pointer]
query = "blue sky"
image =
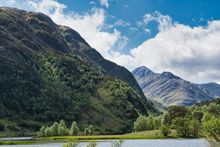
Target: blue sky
x,y
188,12
182,37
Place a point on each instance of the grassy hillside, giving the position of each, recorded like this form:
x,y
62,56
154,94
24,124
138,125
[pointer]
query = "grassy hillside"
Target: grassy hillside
x,y
49,72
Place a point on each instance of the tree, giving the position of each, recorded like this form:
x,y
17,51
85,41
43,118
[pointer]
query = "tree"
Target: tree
x,y
206,117
166,119
157,122
41,132
197,115
194,127
144,123
211,128
165,130
74,130
86,131
177,111
214,109
62,129
182,126
48,132
91,129
140,124
150,123
54,128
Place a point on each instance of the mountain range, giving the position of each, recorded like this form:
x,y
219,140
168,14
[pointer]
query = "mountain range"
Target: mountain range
x,y
49,72
169,89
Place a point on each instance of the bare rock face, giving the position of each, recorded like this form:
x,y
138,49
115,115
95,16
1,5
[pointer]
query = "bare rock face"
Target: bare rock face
x,y
168,89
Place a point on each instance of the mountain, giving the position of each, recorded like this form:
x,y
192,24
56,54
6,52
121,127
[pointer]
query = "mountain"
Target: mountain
x,y
169,89
49,72
212,88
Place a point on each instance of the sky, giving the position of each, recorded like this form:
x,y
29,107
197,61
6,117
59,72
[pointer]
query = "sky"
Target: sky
x,y
182,37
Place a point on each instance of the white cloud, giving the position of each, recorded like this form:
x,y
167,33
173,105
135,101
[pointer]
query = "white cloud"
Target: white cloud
x,y
104,3
118,23
190,52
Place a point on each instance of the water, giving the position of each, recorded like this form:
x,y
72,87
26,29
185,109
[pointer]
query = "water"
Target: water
x,y
134,143
16,138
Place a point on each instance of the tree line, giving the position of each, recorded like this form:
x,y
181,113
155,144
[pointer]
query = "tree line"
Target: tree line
x,y
60,129
200,120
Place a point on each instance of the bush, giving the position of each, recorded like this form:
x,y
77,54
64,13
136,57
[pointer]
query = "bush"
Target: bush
x,y
165,130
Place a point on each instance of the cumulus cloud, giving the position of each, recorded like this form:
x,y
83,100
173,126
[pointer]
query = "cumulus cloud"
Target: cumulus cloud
x,y
104,3
190,52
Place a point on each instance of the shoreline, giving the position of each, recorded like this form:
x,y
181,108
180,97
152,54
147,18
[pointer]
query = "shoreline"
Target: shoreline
x,y
131,136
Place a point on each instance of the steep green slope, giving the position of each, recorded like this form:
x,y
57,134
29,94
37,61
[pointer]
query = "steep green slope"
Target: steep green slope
x,y
49,72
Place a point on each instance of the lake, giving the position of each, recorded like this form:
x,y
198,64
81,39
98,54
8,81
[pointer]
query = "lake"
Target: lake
x,y
134,143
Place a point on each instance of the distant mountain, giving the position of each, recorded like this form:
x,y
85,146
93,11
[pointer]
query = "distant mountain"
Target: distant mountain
x,y
49,72
169,89
212,88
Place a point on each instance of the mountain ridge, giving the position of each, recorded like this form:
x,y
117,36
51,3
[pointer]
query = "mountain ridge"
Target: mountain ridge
x,y
170,89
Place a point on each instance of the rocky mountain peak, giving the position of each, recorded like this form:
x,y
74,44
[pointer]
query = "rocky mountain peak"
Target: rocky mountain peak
x,y
169,75
142,71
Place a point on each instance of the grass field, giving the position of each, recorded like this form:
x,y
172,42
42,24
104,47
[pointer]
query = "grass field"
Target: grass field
x,y
154,134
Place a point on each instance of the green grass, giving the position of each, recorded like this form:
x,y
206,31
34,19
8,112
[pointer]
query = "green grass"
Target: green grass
x,y
154,134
